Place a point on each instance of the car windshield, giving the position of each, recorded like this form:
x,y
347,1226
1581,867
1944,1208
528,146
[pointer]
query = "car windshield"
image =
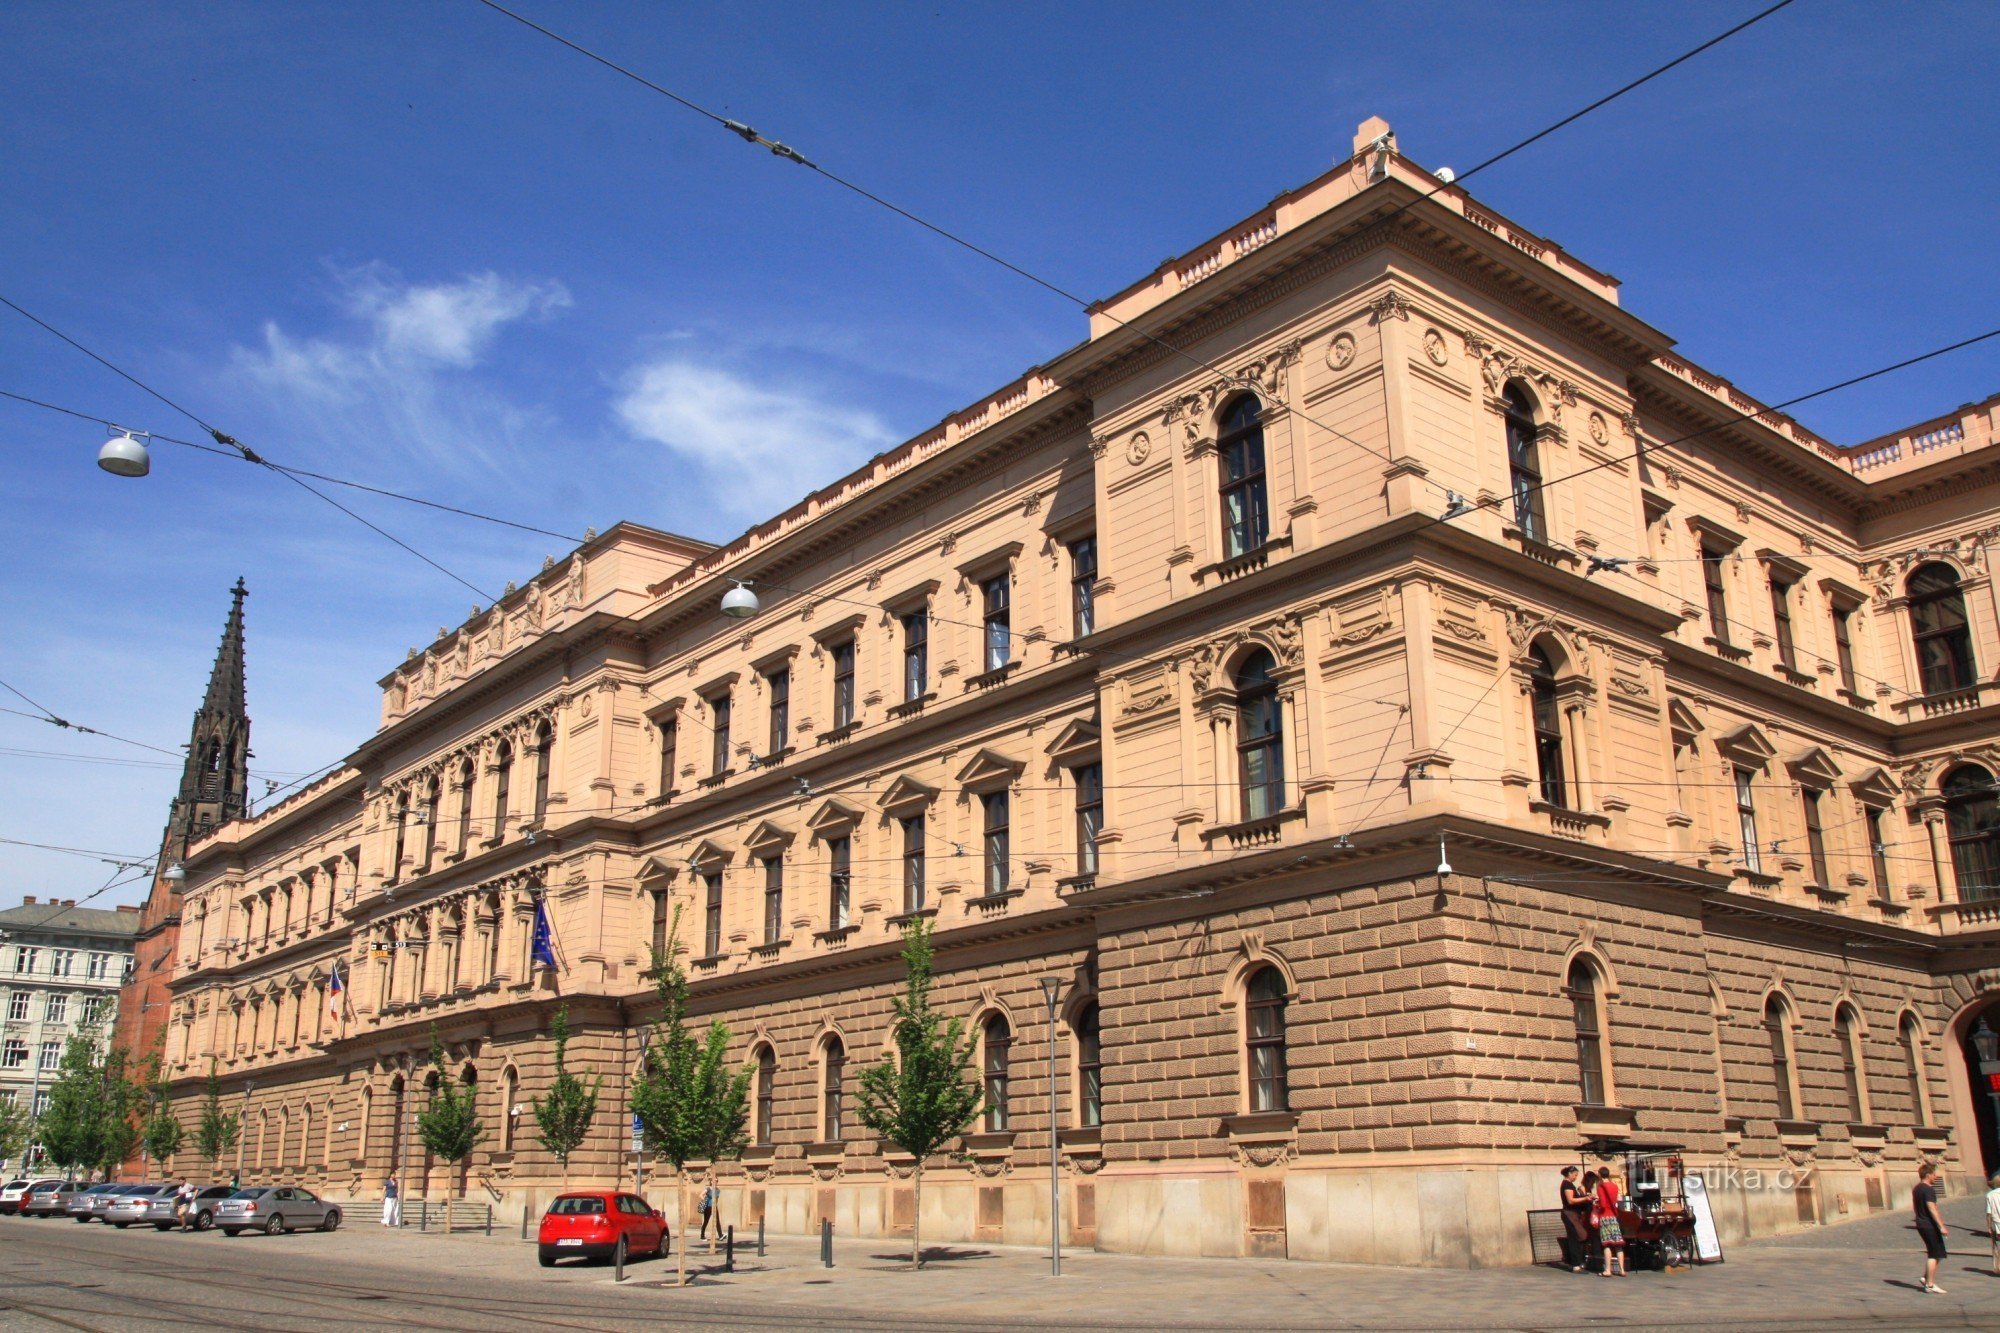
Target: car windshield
x,y
104,1189
573,1206
217,1192
254,1192
16,1185
140,1191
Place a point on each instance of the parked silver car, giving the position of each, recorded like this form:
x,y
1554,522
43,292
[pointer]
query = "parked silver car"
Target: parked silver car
x,y
201,1211
128,1203
50,1200
14,1194
275,1208
88,1205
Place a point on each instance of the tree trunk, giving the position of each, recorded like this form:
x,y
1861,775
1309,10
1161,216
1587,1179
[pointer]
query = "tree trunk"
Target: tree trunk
x,y
917,1219
681,1221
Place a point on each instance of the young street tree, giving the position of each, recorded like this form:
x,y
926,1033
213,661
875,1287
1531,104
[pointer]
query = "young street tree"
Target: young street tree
x,y
163,1133
215,1134
449,1124
920,1099
15,1127
89,1123
565,1114
688,1103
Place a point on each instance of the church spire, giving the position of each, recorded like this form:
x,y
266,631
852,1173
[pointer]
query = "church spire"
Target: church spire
x,y
215,781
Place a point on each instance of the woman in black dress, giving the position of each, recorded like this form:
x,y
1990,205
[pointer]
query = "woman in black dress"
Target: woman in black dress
x,y
1576,1200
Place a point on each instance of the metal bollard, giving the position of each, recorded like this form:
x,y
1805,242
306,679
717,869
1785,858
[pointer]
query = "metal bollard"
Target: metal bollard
x,y
524,1221
729,1249
760,1237
618,1263
826,1242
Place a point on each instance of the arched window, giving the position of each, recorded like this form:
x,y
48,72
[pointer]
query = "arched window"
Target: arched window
x,y
510,1092
1586,1012
1089,1068
998,1039
1264,1039
545,741
361,1140
402,825
1972,822
1778,1027
305,1135
767,1092
1260,737
1524,467
1547,713
1914,1065
465,775
1938,626
833,1081
1246,522
1847,1028
503,774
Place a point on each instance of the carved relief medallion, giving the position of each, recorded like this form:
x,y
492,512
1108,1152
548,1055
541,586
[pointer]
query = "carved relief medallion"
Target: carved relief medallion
x,y
1340,352
1138,448
1599,431
1434,347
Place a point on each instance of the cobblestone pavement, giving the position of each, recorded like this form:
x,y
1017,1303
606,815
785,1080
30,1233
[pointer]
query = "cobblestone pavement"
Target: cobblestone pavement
x,y
57,1273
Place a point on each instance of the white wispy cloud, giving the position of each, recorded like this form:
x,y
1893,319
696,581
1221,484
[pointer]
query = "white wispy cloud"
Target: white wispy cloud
x,y
759,446
395,379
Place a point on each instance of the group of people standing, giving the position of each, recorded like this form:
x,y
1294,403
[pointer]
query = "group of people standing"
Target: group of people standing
x,y
1592,1237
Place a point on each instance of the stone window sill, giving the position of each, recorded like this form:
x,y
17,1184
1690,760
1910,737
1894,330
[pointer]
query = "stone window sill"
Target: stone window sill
x,y
1236,566
839,734
993,903
1729,652
1797,1133
769,948
715,779
835,935
1265,832
998,675
1608,1122
989,1143
905,918
912,707
1261,1127
826,1152
1804,680
709,962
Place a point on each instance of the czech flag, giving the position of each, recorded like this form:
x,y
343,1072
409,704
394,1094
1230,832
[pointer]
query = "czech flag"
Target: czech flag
x,y
334,991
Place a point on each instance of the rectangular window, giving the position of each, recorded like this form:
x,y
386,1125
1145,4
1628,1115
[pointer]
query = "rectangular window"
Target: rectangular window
x,y
14,1055
17,1006
994,808
997,593
51,1054
93,1010
1878,852
711,924
42,1100
1746,818
843,684
61,962
1089,815
662,922
774,899
839,853
1781,619
98,966
55,1009
913,863
1815,835
916,654
1843,646
670,735
26,959
719,757
1082,578
1718,600
125,973
781,709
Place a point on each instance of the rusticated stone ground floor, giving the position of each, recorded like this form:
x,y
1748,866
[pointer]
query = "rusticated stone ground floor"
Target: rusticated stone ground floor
x,y
1386,1073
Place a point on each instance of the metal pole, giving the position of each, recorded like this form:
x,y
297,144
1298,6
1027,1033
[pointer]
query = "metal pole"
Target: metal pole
x,y
1051,986
760,1236
729,1249
826,1242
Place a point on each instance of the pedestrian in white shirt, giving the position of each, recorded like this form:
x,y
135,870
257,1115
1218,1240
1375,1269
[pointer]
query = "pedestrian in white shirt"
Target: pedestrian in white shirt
x,y
1993,1219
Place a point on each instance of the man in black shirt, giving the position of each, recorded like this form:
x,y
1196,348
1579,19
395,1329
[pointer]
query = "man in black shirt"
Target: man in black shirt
x,y
1930,1224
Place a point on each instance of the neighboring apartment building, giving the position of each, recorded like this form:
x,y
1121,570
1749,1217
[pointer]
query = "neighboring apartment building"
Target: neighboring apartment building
x,y
1416,722
60,969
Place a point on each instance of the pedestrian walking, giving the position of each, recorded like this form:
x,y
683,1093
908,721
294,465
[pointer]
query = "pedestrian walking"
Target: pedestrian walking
x,y
1993,1219
1610,1235
392,1203
183,1200
710,1197
1576,1221
1930,1224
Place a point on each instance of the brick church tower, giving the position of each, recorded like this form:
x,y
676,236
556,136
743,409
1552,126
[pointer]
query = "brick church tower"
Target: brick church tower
x,y
215,784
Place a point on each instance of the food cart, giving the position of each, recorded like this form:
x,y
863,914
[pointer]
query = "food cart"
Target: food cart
x,y
1653,1210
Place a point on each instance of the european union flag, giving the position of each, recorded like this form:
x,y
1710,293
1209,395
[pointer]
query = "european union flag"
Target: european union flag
x,y
543,950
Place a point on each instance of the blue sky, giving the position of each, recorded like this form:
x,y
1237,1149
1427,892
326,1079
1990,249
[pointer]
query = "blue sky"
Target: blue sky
x,y
420,246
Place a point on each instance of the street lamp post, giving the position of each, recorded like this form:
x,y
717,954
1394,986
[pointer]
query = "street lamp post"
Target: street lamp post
x,y
1051,988
1986,1042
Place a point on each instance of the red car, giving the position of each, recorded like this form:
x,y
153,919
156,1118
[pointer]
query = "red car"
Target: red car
x,y
600,1224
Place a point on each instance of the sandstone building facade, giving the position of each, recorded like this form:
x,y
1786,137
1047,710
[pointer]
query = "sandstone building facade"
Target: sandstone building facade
x,y
1419,721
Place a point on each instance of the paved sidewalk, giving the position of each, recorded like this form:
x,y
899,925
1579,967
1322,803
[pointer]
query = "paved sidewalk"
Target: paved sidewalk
x,y
1859,1274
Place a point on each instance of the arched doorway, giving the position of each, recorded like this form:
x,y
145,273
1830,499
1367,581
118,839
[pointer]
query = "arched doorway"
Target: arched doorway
x,y
1979,1046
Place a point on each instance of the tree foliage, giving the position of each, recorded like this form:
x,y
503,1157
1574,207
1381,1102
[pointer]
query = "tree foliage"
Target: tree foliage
x,y
565,1114
449,1123
920,1098
215,1133
690,1106
91,1120
15,1124
163,1133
